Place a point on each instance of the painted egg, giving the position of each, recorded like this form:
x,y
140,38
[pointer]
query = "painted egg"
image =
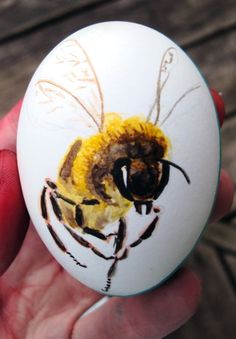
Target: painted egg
x,y
118,152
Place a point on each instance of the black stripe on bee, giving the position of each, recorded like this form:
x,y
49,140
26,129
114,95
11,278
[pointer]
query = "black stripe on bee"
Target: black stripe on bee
x,y
136,243
120,235
95,233
147,233
75,260
43,203
51,184
112,269
56,238
69,201
56,208
90,202
124,255
79,217
99,254
80,240
108,285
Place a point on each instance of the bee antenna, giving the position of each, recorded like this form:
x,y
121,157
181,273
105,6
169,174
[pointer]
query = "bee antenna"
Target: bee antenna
x,y
165,161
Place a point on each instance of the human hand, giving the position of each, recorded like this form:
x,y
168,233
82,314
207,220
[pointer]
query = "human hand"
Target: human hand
x,y
38,299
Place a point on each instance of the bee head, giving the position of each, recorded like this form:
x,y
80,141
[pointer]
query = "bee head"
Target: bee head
x,y
138,180
140,175
144,173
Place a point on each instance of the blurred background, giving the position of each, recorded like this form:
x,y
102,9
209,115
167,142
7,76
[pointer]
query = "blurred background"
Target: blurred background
x,y
206,30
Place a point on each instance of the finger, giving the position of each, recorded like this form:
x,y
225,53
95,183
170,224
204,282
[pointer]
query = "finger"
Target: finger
x,y
152,315
13,214
8,128
219,105
224,197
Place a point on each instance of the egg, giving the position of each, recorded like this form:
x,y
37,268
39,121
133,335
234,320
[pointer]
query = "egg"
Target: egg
x,y
119,155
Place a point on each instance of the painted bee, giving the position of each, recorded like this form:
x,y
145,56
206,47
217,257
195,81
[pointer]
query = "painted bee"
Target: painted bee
x,y
103,176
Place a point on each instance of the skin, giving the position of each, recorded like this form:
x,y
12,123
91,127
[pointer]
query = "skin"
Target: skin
x,y
39,300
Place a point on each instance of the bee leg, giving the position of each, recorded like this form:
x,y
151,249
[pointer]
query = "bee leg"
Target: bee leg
x,y
78,211
57,195
95,233
108,285
112,270
80,222
45,215
110,273
98,234
147,233
51,184
121,234
79,218
56,209
87,244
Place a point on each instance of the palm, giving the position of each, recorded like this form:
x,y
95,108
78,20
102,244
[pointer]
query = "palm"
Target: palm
x,y
38,297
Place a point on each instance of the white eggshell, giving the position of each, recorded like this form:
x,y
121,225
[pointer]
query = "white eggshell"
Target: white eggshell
x,y
131,71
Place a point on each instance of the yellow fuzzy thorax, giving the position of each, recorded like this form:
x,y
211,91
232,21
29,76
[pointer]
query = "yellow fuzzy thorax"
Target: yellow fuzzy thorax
x,y
114,128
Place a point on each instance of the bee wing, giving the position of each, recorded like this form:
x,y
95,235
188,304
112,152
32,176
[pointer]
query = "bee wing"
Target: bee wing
x,y
168,60
58,109
74,88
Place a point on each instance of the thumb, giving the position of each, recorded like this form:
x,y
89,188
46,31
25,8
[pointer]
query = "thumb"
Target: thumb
x,y
13,214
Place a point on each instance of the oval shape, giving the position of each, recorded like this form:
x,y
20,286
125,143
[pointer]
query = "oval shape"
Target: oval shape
x,y
118,152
